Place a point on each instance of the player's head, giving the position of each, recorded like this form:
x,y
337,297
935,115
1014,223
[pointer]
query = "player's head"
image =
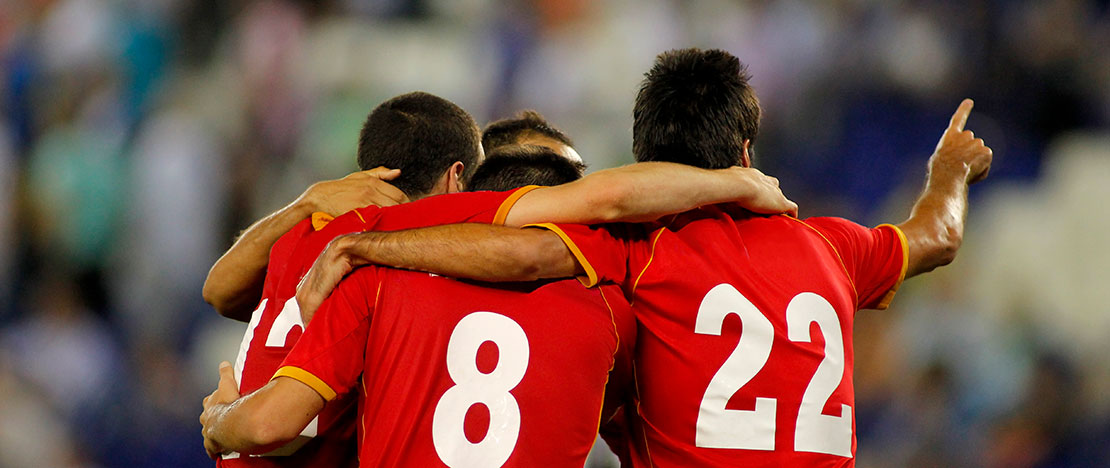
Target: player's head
x,y
510,166
528,128
434,143
695,107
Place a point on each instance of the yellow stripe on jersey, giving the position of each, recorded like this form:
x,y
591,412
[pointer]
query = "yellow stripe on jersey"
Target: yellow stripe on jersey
x,y
306,378
591,274
321,219
905,264
507,205
843,266
648,264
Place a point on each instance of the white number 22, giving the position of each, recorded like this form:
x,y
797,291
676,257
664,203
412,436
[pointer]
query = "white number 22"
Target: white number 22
x,y
718,427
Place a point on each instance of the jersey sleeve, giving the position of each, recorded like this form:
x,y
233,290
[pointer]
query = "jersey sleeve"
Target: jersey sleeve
x,y
329,356
874,258
601,250
466,207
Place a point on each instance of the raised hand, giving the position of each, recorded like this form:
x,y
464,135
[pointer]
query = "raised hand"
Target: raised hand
x,y
356,190
958,149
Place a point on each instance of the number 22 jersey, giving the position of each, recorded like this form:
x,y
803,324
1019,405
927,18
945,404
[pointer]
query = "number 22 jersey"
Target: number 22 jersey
x,y
744,353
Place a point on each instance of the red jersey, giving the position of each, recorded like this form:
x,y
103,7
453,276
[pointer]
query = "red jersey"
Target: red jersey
x,y
744,352
452,373
329,440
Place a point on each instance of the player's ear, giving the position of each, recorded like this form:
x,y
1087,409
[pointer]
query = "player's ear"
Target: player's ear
x,y
745,157
454,177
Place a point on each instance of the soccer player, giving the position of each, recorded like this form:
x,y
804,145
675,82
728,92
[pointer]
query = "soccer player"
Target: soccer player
x,y
402,382
234,284
435,143
744,353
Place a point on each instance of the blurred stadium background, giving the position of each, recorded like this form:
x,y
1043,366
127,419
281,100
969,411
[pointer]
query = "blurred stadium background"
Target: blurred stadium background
x,y
138,136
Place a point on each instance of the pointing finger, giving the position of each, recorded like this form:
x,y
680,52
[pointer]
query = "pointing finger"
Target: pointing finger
x,y
960,117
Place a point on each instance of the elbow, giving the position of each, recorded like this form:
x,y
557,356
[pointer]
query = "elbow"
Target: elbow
x,y
219,301
941,251
213,297
948,243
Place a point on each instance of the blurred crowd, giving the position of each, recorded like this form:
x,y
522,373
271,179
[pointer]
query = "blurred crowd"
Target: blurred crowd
x,y
137,137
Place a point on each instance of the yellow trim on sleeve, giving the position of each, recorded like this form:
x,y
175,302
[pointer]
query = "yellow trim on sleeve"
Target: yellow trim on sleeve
x,y
360,218
591,274
321,219
306,378
905,264
507,205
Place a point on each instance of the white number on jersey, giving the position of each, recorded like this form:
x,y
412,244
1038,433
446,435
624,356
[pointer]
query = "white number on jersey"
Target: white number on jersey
x,y
718,427
287,319
473,387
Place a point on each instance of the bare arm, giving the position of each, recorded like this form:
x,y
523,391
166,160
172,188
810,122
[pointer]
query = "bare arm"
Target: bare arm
x,y
934,230
259,422
477,251
234,284
648,191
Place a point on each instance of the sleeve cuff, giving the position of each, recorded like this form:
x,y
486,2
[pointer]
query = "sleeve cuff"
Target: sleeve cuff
x,y
307,378
591,275
883,304
507,205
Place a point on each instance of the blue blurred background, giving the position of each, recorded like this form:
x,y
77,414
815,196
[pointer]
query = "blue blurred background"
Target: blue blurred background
x,y
137,137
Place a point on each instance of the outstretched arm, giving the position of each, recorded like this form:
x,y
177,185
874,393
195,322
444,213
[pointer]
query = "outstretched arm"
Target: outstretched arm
x,y
257,423
234,284
648,191
935,227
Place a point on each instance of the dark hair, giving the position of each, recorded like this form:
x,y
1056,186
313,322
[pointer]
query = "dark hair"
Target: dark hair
x,y
695,107
422,135
510,131
512,166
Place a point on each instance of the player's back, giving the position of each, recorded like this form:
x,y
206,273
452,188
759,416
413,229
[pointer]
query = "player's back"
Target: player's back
x,y
744,355
458,374
274,328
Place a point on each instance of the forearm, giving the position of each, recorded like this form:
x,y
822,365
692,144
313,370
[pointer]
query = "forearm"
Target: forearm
x,y
934,230
474,251
264,420
234,284
648,191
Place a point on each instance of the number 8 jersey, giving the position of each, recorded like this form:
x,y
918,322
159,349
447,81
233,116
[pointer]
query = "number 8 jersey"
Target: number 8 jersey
x,y
275,327
744,352
455,374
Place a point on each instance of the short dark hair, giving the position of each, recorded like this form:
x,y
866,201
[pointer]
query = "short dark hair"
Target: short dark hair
x,y
512,166
695,107
510,131
422,135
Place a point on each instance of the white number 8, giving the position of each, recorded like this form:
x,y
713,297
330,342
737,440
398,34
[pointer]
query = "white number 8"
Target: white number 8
x,y
473,387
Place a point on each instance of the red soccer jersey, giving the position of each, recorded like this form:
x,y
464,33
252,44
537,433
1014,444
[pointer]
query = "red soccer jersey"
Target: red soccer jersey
x,y
276,325
744,352
454,374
